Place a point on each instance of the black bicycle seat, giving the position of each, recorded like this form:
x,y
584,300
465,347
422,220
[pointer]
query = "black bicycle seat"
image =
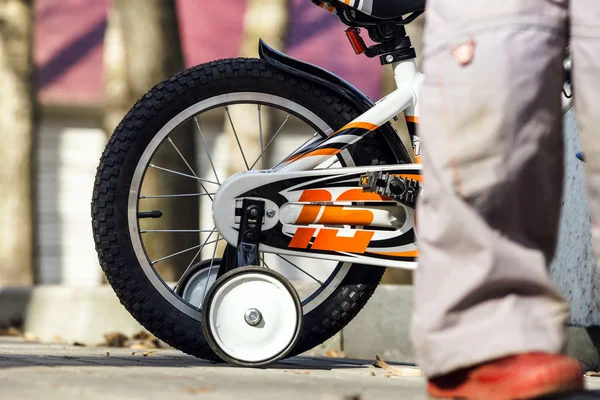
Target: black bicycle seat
x,y
387,9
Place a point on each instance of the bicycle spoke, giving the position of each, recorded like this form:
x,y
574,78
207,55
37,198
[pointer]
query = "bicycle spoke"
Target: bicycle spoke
x,y
212,261
180,252
260,157
263,261
261,137
166,196
182,174
177,230
181,156
191,169
236,137
206,148
300,269
192,262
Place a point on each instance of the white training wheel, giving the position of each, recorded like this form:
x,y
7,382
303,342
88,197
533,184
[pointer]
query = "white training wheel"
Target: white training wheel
x,y
252,317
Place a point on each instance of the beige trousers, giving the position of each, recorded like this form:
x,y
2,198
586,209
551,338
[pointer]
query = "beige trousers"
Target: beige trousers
x,y
491,134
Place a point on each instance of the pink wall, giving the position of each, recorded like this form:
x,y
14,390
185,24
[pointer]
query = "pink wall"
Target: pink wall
x,y
69,37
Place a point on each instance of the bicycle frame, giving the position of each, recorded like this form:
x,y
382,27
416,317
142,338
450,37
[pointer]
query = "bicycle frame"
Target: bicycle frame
x,y
382,231
405,98
317,201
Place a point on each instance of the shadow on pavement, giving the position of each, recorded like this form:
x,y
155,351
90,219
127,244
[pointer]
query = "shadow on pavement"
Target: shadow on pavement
x,y
109,358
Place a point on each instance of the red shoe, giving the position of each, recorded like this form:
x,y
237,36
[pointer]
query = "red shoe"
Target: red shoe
x,y
524,376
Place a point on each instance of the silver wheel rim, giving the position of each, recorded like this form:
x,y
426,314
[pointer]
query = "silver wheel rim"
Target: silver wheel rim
x,y
312,301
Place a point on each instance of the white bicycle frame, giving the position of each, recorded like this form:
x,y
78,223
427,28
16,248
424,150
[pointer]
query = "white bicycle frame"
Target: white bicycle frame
x,y
405,98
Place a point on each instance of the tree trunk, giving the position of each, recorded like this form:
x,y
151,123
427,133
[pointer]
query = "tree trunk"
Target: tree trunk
x,y
17,126
143,47
266,19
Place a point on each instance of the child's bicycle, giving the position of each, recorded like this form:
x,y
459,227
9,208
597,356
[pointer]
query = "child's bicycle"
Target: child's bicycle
x,y
336,211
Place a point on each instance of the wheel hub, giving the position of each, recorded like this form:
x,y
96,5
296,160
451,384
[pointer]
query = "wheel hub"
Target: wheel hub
x,y
253,317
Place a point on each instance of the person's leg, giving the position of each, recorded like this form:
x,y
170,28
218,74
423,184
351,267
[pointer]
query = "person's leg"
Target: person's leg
x,y
585,49
491,134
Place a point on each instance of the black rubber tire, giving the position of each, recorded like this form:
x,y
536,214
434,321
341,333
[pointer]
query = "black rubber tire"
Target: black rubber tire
x,y
120,158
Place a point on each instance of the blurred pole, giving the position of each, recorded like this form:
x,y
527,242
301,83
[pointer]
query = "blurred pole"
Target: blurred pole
x,y
17,127
143,47
266,19
415,32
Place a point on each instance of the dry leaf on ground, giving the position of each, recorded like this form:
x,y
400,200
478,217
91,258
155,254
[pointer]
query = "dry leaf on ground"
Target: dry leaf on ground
x,y
11,331
398,371
335,354
78,344
592,373
142,335
115,339
145,344
138,346
144,340
149,353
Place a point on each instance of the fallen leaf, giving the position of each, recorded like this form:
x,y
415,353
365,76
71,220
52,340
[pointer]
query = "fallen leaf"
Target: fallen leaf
x,y
11,331
108,354
115,339
137,346
78,344
592,373
191,390
398,371
145,344
372,373
335,354
142,335
148,353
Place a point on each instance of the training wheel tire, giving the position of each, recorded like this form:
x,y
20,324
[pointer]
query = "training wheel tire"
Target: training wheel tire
x,y
252,317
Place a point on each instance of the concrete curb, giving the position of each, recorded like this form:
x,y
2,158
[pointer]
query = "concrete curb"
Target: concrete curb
x,y
84,314
71,314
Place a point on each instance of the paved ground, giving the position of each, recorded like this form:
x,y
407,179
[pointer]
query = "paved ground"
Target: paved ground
x,y
31,371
